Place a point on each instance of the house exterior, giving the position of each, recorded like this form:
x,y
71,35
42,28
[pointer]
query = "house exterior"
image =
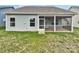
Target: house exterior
x,y
34,18
76,17
3,9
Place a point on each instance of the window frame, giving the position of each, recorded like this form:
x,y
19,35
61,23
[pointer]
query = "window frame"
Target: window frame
x,y
32,21
12,22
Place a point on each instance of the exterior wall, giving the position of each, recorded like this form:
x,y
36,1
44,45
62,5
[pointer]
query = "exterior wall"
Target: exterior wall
x,y
76,21
76,17
22,23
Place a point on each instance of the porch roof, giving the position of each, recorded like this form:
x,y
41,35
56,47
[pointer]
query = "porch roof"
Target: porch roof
x,y
40,10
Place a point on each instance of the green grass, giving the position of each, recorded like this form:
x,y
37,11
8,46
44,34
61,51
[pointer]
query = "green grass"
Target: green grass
x,y
22,42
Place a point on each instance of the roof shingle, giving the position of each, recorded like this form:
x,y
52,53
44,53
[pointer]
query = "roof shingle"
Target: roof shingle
x,y
40,10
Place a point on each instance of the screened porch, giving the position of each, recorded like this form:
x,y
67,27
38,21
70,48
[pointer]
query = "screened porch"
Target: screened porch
x,y
55,23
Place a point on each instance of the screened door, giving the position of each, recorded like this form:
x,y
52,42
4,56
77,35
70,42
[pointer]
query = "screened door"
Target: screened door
x,y
41,23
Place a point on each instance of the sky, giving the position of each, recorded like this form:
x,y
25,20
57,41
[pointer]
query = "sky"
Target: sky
x,y
64,6
60,6
65,3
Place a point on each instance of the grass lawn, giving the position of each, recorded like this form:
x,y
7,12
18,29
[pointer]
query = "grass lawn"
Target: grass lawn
x,y
34,42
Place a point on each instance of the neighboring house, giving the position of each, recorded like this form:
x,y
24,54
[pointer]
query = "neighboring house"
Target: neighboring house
x,y
34,18
76,17
4,9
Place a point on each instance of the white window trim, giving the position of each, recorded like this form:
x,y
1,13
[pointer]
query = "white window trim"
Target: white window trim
x,y
12,22
32,22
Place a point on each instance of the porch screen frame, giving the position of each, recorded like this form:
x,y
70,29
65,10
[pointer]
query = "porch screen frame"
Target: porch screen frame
x,y
44,22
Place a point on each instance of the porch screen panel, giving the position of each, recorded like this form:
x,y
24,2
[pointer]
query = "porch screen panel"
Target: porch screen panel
x,y
63,23
49,23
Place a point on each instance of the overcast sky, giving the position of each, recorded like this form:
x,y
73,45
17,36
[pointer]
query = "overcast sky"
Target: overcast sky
x,y
64,6
60,6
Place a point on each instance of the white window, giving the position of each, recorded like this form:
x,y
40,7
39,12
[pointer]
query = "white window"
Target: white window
x,y
32,22
12,22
